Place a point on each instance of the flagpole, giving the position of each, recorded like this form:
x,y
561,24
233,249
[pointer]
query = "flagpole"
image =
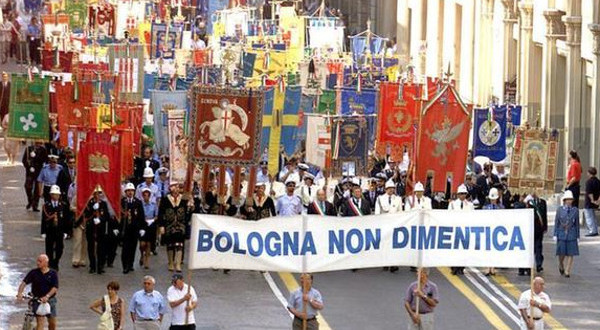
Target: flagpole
x,y
189,301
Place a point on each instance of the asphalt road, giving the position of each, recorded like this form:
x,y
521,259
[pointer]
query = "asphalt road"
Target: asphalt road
x,y
367,299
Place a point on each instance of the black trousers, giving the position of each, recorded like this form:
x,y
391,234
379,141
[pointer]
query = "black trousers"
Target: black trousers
x,y
576,190
128,252
183,327
111,245
34,52
96,252
54,248
538,247
32,191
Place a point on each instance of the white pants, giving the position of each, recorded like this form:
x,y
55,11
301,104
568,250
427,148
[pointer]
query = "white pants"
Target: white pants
x,y
427,322
537,325
79,247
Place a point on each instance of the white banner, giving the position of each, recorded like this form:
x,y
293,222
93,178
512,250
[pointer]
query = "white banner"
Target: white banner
x,y
482,238
318,141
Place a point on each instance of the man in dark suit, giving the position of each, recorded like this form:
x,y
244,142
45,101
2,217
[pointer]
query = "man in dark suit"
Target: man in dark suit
x,y
132,220
4,95
356,205
321,206
66,177
141,163
540,228
485,182
55,218
33,160
372,194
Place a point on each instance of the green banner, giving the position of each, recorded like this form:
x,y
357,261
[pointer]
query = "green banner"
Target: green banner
x,y
77,11
29,103
327,102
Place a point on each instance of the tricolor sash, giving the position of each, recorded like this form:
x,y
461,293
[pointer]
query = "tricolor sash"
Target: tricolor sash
x,y
318,208
354,208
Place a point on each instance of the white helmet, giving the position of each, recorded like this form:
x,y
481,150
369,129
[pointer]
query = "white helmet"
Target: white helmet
x,y
493,195
567,195
419,187
462,189
148,173
129,186
54,190
390,184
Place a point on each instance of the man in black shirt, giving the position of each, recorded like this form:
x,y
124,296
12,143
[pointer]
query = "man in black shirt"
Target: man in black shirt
x,y
592,199
44,286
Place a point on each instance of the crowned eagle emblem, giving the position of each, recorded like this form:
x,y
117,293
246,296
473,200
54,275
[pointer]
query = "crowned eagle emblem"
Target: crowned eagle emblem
x,y
445,134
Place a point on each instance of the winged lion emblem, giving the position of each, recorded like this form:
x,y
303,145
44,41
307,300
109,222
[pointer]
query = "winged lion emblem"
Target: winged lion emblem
x,y
445,135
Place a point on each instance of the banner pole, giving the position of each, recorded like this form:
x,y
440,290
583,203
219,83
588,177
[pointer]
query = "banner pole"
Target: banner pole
x,y
304,283
189,302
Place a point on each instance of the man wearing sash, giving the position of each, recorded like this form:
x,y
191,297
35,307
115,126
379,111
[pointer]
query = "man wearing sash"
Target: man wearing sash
x,y
356,205
321,206
418,201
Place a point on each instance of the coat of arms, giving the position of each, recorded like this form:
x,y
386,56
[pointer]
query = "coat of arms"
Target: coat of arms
x,y
444,135
99,163
223,128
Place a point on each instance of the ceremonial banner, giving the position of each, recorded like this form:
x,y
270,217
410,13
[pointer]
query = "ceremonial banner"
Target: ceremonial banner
x,y
489,135
363,103
318,141
73,103
398,115
77,11
55,27
213,6
101,19
350,145
325,33
99,164
266,153
165,39
127,150
327,102
129,116
49,61
313,76
29,102
283,122
161,102
443,140
310,243
126,61
293,31
226,126
533,163
178,145
129,15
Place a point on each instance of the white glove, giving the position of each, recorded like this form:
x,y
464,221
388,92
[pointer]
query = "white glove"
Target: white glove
x,y
96,206
64,236
554,238
142,232
346,193
96,221
150,222
116,231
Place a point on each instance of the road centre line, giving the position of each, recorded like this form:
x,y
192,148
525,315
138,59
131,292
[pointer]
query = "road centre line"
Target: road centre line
x,y
496,290
291,284
479,303
493,298
515,292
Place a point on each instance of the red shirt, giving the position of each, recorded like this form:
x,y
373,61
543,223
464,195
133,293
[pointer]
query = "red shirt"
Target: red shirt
x,y
574,171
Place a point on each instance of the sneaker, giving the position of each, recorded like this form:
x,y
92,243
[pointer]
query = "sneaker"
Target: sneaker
x,y
591,235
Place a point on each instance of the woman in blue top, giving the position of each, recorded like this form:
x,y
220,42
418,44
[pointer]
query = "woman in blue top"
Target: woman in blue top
x,y
566,233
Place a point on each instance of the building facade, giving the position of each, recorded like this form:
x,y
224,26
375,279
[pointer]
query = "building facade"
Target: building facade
x,y
542,54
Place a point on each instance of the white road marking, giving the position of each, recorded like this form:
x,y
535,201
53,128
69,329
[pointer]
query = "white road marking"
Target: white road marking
x,y
493,298
499,292
278,294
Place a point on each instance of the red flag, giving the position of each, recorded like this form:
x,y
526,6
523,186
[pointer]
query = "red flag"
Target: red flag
x,y
444,139
129,116
127,147
99,164
72,112
397,116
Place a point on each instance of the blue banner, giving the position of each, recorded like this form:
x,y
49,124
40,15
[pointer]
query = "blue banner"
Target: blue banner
x,y
291,118
515,114
160,100
365,103
350,144
267,111
213,6
490,133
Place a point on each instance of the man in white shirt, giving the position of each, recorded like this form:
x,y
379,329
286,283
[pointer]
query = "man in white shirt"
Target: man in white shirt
x,y
388,202
289,204
183,300
532,307
418,201
307,191
459,204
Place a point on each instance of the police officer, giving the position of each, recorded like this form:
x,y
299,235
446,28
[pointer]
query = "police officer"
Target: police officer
x,y
418,201
308,191
459,204
47,178
141,163
33,160
96,218
388,202
289,204
132,220
55,218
